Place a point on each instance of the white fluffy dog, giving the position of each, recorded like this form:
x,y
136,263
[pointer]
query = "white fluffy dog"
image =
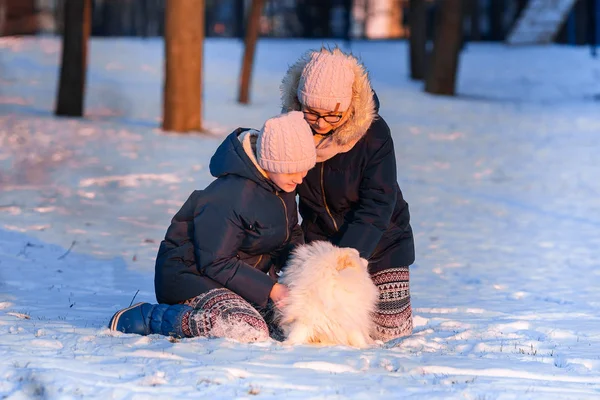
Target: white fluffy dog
x,y
331,297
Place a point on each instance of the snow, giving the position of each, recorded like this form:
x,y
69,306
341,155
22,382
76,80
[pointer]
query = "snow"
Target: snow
x,y
505,204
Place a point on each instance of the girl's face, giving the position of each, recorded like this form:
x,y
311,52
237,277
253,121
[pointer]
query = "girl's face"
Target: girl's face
x,y
324,121
287,182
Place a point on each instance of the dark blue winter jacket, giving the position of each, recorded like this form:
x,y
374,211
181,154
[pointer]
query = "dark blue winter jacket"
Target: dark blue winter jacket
x,y
352,198
236,233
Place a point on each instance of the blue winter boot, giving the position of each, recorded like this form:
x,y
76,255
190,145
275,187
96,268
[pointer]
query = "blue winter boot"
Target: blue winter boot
x,y
133,319
146,319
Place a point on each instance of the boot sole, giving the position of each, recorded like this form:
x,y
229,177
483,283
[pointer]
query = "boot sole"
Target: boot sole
x,y
115,319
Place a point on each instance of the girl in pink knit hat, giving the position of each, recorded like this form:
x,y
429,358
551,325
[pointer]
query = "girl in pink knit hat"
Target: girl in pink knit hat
x,y
216,268
352,197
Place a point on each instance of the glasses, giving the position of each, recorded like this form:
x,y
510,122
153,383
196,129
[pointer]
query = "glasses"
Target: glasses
x,y
329,118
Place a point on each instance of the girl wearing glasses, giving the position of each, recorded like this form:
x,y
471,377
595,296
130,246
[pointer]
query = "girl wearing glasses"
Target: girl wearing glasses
x,y
352,197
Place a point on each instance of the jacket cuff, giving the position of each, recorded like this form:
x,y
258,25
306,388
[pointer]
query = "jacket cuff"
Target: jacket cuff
x,y
253,285
363,238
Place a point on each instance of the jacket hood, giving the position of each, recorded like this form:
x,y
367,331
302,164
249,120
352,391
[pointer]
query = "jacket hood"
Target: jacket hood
x,y
231,158
363,107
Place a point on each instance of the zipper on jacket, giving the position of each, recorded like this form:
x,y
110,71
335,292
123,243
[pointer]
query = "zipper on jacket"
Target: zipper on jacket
x,y
324,199
259,259
287,223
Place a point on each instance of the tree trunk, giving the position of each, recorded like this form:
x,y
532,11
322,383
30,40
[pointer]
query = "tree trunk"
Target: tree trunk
x,y
18,17
383,21
240,11
76,32
592,22
475,19
303,14
252,28
2,17
496,15
347,5
184,36
521,4
325,20
418,38
397,28
442,71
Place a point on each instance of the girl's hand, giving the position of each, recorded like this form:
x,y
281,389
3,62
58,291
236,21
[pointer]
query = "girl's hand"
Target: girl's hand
x,y
279,294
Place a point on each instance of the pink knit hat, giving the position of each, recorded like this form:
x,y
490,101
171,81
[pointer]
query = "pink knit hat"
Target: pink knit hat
x,y
326,82
285,144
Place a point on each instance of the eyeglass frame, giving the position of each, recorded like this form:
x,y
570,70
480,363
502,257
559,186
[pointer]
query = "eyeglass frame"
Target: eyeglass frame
x,y
318,117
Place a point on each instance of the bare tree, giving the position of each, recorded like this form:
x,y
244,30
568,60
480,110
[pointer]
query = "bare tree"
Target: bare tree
x,y
593,12
474,10
495,16
3,18
443,66
252,29
184,37
418,38
73,68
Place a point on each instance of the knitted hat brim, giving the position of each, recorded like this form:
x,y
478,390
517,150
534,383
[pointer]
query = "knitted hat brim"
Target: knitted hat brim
x,y
287,167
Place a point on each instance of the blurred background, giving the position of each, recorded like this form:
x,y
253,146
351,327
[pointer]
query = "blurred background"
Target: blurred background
x,y
485,20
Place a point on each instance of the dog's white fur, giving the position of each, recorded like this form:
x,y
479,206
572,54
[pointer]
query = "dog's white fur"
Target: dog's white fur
x,y
331,297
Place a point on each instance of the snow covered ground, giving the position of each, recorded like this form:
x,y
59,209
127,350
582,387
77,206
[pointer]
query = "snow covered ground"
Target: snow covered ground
x,y
505,200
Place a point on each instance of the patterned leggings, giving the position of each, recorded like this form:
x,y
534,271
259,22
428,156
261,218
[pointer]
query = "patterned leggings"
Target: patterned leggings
x,y
393,318
222,313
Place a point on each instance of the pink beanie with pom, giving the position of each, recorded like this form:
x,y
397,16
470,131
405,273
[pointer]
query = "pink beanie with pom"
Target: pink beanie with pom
x,y
326,82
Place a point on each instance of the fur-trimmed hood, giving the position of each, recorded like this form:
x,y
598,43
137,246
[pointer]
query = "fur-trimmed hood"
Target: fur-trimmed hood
x,y
363,108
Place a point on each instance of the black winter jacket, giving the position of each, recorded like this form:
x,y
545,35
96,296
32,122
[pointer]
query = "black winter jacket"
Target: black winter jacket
x,y
231,234
353,199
